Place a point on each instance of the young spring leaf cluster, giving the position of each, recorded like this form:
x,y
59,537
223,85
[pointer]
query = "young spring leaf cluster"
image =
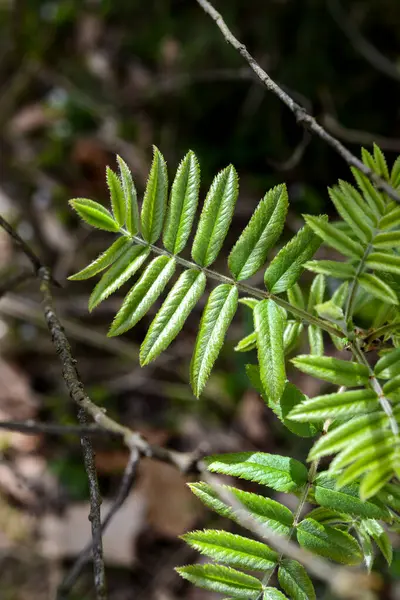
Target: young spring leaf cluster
x,y
349,316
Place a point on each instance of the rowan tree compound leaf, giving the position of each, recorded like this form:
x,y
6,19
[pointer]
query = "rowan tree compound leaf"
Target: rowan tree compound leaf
x,y
123,268
155,199
117,196
332,369
264,228
281,473
294,580
217,316
288,264
215,217
143,294
269,326
232,550
172,315
223,580
105,259
132,220
183,204
94,214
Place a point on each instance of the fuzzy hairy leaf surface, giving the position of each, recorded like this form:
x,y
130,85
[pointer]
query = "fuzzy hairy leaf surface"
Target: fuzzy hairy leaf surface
x,y
296,297
183,204
223,580
215,217
288,264
143,294
117,196
333,406
316,297
347,499
132,220
274,515
332,268
378,288
372,196
273,594
334,237
269,327
233,550
391,219
247,343
281,473
217,316
332,369
263,230
294,580
329,542
123,268
94,214
354,215
155,199
104,260
172,315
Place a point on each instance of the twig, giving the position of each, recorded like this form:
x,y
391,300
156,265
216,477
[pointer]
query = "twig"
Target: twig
x,y
301,115
31,427
94,514
127,482
371,54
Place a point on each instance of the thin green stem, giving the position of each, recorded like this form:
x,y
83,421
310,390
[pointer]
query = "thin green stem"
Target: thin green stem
x,y
246,289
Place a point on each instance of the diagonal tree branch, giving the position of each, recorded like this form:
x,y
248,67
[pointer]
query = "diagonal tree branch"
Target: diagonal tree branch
x,y
302,117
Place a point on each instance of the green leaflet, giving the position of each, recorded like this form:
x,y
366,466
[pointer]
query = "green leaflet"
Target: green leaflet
x,y
172,315
294,580
340,294
183,204
117,196
217,316
380,162
378,288
353,214
331,312
389,263
291,397
388,240
374,481
269,326
155,199
104,260
388,366
210,498
334,237
291,335
360,448
143,294
123,268
347,499
359,428
332,369
333,406
295,296
380,537
391,219
281,473
392,386
395,174
366,546
316,297
372,458
94,213
263,230
372,196
272,514
357,199
132,220
288,264
216,217
328,516
273,594
329,542
223,580
233,550
247,343
249,302
339,270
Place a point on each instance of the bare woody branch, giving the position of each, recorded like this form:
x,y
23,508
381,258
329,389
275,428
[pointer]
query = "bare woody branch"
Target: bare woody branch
x,y
302,117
